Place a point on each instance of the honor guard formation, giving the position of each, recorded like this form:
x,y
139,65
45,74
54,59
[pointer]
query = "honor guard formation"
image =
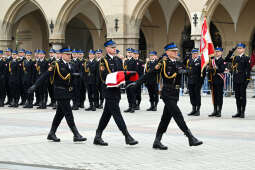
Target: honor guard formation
x,y
30,79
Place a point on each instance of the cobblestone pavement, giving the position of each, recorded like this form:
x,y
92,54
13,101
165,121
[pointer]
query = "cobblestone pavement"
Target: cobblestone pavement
x,y
229,144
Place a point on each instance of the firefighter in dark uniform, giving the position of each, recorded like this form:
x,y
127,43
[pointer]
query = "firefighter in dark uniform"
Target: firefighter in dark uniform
x,y
62,75
91,70
99,55
42,66
109,64
21,57
28,69
14,79
37,94
171,77
76,80
241,77
83,82
8,54
140,71
52,59
216,78
194,82
3,72
152,83
130,64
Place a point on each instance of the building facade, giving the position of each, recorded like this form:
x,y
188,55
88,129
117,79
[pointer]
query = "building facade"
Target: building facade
x,y
141,24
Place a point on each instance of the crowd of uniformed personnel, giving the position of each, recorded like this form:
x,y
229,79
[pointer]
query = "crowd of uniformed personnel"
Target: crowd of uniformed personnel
x,y
67,75
20,69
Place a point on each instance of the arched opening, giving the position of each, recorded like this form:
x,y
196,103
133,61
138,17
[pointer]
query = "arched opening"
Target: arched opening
x,y
28,27
85,27
166,21
142,45
78,35
215,34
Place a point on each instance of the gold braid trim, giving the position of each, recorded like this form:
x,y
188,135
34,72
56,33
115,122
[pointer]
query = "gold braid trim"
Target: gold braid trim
x,y
24,68
107,65
146,68
67,77
53,78
10,69
165,74
85,67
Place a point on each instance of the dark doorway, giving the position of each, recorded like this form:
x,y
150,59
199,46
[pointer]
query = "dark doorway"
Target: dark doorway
x,y
142,46
78,35
215,34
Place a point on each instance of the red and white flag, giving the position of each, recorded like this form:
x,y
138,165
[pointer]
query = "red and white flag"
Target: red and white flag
x,y
206,45
118,78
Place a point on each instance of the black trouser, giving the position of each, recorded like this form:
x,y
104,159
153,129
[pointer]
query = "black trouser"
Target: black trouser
x,y
153,92
218,93
240,94
22,93
83,91
63,110
28,97
7,87
51,92
171,109
112,108
43,92
194,94
76,92
15,91
92,94
138,95
2,89
131,96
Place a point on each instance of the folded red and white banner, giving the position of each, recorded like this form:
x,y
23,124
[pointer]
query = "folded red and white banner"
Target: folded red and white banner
x,y
118,78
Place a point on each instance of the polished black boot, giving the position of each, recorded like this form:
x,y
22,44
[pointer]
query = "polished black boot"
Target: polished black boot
x,y
242,112
98,139
155,106
197,113
82,105
238,114
16,103
193,111
1,102
128,138
151,107
11,103
101,104
214,113
54,105
93,108
52,136
128,110
192,140
157,143
77,137
219,108
75,107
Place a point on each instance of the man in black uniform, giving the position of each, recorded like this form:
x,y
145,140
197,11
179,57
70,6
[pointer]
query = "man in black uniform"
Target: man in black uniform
x,y
216,78
3,72
152,83
194,82
21,57
14,79
112,95
83,82
241,77
130,64
42,66
37,94
171,75
8,54
140,71
99,55
28,78
52,59
92,68
62,74
75,63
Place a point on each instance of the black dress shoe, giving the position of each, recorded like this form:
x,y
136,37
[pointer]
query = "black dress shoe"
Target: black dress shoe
x,y
79,138
53,138
128,110
75,108
89,109
192,140
236,115
159,145
99,141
